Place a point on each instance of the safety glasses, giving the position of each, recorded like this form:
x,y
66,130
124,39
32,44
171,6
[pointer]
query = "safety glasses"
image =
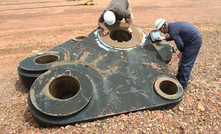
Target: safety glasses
x,y
163,26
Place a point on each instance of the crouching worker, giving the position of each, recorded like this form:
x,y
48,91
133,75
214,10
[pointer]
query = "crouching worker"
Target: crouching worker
x,y
116,11
188,41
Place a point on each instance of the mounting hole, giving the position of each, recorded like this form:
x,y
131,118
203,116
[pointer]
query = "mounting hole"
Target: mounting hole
x,y
64,87
46,59
78,38
168,87
120,35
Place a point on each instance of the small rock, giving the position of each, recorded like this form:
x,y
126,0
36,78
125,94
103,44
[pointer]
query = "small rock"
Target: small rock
x,y
61,127
68,127
182,126
203,118
201,107
84,125
193,91
27,125
181,108
159,115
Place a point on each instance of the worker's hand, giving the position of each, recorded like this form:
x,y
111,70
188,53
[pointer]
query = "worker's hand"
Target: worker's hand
x,y
161,38
130,30
106,32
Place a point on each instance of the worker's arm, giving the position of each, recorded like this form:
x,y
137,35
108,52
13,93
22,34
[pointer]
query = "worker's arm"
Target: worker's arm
x,y
130,23
168,38
178,41
179,44
106,30
101,24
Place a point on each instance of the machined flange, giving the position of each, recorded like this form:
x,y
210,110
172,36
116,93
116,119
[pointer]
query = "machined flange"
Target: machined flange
x,y
41,61
119,36
61,92
78,38
32,67
168,88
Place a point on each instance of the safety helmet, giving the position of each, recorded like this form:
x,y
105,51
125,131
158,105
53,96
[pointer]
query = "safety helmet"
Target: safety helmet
x,y
109,17
159,23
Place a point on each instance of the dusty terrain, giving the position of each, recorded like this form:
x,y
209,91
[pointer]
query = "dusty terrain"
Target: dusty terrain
x,y
28,27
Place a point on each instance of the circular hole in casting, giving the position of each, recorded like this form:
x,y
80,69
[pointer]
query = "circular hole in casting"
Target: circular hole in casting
x,y
168,87
120,35
64,87
46,59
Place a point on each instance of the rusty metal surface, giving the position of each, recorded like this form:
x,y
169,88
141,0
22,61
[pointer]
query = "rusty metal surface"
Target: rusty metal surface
x,y
110,80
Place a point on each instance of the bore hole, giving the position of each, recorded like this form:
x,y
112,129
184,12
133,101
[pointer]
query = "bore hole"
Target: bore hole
x,y
78,38
46,59
168,87
64,87
120,35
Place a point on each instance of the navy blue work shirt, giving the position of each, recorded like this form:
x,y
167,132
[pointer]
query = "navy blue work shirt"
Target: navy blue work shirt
x,y
183,33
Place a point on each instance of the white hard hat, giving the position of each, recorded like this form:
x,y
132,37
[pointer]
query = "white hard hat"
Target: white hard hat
x,y
159,23
109,17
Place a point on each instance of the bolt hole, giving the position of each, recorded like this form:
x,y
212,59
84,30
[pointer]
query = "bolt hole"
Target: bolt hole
x,y
168,87
64,87
120,35
46,59
78,38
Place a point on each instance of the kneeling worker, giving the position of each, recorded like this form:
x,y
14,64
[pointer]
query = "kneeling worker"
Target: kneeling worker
x,y
188,41
116,11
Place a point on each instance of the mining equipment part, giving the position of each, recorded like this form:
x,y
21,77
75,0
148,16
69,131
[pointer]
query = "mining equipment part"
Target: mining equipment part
x,y
103,76
168,88
61,91
120,38
32,67
28,77
165,50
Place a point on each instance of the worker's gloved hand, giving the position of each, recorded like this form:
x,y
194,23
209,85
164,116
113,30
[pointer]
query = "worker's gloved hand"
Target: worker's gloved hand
x,y
180,55
130,30
106,32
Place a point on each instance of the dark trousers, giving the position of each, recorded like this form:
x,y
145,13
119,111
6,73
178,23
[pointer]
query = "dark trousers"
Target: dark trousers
x,y
190,53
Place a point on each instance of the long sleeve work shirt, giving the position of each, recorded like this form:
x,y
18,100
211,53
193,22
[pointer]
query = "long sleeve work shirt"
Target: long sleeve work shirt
x,y
183,33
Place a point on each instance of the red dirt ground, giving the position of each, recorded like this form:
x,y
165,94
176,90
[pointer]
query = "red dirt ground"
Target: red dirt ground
x,y
28,27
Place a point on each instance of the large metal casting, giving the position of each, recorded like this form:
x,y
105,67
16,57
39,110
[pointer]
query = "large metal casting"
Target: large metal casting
x,y
100,76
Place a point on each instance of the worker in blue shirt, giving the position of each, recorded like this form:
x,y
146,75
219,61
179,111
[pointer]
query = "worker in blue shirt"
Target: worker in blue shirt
x,y
188,41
